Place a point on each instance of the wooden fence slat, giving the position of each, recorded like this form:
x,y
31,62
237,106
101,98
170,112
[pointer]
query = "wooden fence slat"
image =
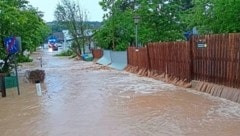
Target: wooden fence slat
x,y
218,45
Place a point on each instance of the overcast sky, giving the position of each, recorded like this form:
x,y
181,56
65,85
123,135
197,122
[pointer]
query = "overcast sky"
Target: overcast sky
x,y
49,6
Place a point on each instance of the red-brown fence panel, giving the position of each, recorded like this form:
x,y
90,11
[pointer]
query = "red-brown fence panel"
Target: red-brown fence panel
x,y
138,57
172,58
219,61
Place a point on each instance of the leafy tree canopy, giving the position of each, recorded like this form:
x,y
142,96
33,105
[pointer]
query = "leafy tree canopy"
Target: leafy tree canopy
x,y
18,18
214,16
69,13
159,21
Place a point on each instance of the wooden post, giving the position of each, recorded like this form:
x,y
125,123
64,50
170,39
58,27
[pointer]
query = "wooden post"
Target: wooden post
x,y
191,57
148,58
3,88
15,62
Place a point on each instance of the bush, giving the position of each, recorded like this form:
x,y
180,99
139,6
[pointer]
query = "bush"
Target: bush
x,y
65,53
22,58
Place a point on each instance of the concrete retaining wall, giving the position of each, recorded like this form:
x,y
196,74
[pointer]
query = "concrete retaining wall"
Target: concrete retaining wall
x,y
106,58
119,60
114,59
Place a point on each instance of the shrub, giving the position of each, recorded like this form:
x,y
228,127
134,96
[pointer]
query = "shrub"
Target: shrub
x,y
65,53
22,58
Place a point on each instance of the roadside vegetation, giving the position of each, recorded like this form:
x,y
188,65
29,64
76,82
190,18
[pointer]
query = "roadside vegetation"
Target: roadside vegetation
x,y
65,53
23,58
164,20
18,18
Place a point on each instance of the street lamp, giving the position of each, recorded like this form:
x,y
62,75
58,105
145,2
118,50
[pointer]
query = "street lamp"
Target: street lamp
x,y
136,21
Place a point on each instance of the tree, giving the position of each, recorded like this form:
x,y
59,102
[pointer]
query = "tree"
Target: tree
x,y
187,4
117,30
117,35
159,21
20,19
74,17
214,16
37,30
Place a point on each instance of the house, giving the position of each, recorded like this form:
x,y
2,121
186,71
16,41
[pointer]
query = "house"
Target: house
x,y
88,34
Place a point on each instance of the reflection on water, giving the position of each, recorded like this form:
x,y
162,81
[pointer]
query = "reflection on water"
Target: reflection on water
x,y
81,98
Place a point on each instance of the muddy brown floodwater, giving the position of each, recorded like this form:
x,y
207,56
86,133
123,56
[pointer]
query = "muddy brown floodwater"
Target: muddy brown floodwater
x,y
85,99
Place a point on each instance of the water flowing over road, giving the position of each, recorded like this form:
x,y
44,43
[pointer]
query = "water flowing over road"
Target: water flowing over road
x,y
85,99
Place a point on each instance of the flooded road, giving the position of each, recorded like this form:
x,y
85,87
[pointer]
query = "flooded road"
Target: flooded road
x,y
85,99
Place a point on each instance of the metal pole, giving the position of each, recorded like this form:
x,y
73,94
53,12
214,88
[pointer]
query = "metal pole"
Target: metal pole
x,y
136,35
2,75
16,74
3,88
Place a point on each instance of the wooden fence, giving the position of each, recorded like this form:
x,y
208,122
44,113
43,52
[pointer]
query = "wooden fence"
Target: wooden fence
x,y
171,58
211,58
138,57
97,53
218,62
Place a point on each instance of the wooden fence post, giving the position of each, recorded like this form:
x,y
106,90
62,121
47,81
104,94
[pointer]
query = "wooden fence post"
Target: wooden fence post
x,y
148,59
191,57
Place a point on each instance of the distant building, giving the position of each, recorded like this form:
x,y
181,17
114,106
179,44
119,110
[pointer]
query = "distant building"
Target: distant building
x,y
88,34
59,36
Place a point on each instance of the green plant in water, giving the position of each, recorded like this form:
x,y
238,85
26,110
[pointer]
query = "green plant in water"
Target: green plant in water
x,y
7,64
22,58
65,53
